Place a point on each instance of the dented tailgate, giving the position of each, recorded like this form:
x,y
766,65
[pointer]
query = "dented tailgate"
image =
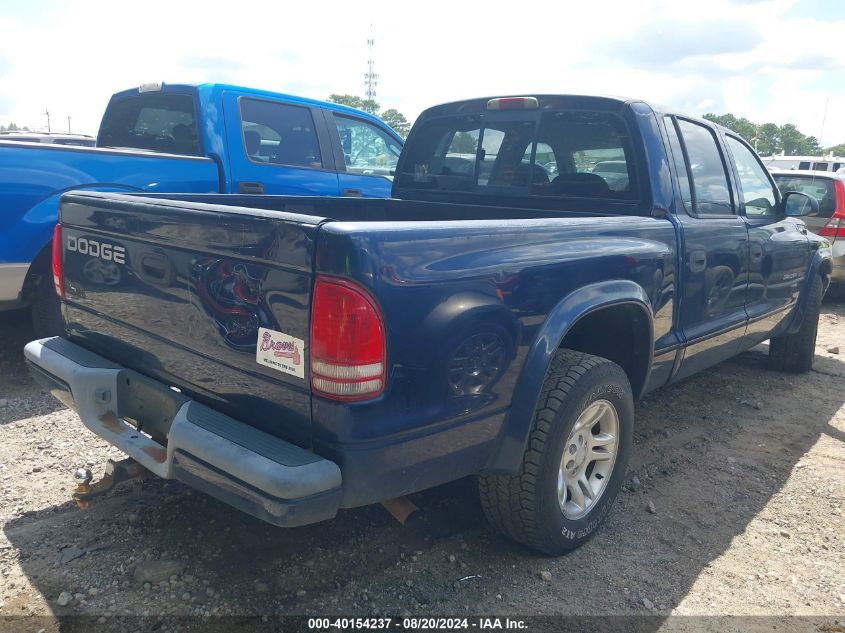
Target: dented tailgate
x,y
187,293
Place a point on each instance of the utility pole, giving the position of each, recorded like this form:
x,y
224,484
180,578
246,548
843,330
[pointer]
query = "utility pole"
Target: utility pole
x,y
824,120
68,124
371,78
47,112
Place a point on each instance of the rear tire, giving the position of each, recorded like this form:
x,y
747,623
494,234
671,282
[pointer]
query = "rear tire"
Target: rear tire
x,y
46,309
795,352
539,507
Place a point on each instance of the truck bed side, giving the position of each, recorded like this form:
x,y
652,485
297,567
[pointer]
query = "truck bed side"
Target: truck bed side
x,y
442,285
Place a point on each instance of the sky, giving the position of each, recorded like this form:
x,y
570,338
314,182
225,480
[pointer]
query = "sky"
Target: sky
x,y
777,61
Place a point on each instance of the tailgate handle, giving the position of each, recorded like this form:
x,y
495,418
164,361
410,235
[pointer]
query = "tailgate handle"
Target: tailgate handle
x,y
352,193
250,187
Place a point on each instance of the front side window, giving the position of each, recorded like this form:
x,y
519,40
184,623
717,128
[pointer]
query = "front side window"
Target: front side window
x,y
159,121
710,194
367,150
279,134
757,190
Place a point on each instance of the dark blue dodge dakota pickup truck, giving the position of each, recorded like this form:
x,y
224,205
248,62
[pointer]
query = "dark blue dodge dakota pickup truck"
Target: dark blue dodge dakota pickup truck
x,y
544,261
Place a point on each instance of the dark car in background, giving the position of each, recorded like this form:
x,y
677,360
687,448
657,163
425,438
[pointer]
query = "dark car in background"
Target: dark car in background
x,y
829,189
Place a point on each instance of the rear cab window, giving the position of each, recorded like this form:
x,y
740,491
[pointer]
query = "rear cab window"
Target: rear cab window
x,y
569,153
157,121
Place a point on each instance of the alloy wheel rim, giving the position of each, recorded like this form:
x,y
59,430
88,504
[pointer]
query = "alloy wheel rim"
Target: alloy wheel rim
x,y
589,455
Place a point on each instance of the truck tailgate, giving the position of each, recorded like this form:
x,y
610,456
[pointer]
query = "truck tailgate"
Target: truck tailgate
x,y
181,292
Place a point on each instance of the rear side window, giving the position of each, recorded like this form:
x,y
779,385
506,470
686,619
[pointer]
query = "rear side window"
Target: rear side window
x,y
710,194
280,134
680,164
570,153
822,189
820,166
160,122
804,164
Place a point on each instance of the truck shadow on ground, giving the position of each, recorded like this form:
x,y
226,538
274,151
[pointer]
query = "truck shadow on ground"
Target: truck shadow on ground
x,y
23,398
710,454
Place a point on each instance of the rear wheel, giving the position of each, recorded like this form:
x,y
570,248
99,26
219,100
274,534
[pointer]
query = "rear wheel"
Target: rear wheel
x,y
575,460
46,309
795,352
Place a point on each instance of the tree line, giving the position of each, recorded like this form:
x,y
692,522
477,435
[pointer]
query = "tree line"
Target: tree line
x,y
769,138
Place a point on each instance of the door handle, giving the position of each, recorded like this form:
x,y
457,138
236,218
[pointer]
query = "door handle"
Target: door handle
x,y
250,187
697,261
352,193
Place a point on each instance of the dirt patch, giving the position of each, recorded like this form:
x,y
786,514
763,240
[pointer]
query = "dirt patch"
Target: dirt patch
x,y
733,505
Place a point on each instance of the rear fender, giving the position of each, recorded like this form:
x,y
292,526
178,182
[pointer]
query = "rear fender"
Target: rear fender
x,y
517,426
820,265
467,309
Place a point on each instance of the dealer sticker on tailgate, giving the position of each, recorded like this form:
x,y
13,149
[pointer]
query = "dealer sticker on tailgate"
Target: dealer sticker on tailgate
x,y
281,352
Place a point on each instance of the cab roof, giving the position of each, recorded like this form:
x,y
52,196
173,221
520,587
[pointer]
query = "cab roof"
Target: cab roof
x,y
210,87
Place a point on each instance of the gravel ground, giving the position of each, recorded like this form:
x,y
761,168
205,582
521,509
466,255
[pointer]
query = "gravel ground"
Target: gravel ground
x,y
742,467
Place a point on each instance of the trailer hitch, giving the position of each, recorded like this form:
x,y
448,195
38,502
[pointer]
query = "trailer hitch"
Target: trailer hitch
x,y
116,472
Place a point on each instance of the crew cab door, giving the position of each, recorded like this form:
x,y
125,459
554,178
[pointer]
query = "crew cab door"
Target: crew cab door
x,y
366,156
714,262
779,250
278,147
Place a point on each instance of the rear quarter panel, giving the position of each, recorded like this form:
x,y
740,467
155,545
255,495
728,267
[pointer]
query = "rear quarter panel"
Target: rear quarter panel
x,y
439,284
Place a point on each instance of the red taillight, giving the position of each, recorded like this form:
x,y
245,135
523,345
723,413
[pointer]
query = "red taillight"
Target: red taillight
x,y
836,226
513,103
58,277
348,351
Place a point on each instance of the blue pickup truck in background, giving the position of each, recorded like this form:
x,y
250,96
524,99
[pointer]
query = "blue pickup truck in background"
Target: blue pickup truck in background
x,y
207,138
496,317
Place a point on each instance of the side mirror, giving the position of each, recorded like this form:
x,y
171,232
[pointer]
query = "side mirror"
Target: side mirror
x,y
798,205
